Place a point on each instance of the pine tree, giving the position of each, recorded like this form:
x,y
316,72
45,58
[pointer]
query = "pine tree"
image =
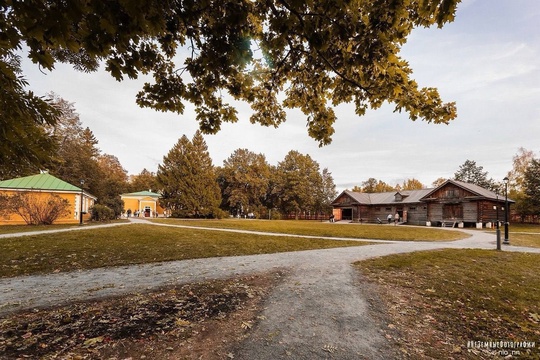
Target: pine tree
x,y
471,173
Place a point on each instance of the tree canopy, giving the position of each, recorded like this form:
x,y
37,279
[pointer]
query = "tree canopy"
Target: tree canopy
x,y
187,179
373,185
471,173
244,180
273,54
297,184
532,186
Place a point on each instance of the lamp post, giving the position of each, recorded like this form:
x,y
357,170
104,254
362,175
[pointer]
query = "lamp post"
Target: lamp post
x,y
80,213
506,240
498,228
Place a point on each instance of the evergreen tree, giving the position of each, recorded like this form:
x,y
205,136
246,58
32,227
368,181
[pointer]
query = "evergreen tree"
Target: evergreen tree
x,y
188,180
471,173
327,193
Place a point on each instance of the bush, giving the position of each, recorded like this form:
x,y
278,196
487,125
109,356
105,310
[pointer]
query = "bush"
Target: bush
x,y
36,209
218,214
102,213
115,204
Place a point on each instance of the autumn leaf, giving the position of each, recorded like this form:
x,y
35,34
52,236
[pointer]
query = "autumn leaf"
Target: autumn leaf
x,y
93,341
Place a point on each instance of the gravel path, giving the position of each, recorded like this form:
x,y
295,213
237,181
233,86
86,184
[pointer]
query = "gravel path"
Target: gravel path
x,y
319,310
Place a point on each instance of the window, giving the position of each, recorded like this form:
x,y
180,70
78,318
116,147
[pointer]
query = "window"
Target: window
x,y
452,193
412,208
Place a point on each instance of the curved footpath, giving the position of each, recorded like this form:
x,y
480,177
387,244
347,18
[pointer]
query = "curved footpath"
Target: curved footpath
x,y
318,311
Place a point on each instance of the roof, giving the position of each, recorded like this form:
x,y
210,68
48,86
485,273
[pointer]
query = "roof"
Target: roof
x,y
143,193
42,181
409,196
475,189
415,196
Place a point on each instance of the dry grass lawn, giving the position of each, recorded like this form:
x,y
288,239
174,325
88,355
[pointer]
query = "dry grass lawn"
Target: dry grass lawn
x,y
317,228
442,303
137,244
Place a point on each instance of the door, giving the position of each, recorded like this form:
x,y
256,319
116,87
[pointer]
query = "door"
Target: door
x,y
346,214
452,211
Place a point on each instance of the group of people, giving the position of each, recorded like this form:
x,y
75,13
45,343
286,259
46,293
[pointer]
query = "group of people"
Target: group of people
x,y
138,213
395,217
389,218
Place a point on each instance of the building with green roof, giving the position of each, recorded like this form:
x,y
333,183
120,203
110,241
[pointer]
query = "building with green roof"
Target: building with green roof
x,y
43,185
142,203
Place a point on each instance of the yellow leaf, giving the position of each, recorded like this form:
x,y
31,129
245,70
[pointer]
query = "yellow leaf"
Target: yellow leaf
x,y
93,341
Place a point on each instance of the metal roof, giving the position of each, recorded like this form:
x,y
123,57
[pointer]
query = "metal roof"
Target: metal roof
x,y
408,197
143,193
42,181
415,196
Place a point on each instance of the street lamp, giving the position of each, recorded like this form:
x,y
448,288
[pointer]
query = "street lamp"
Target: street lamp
x,y
498,228
80,213
506,208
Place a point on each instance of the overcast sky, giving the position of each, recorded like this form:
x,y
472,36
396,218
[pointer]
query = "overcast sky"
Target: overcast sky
x,y
487,61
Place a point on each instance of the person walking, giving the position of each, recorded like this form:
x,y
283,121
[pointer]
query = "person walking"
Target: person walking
x,y
396,219
389,218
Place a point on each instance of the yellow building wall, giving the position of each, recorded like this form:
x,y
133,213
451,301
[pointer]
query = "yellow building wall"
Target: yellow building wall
x,y
71,218
131,204
139,203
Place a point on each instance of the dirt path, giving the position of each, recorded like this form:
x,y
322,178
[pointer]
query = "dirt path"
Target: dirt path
x,y
319,311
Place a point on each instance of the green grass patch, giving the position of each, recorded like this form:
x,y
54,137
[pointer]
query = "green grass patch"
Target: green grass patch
x,y
443,299
136,244
316,228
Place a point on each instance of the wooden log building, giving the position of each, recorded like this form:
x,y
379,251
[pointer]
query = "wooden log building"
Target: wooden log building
x,y
454,203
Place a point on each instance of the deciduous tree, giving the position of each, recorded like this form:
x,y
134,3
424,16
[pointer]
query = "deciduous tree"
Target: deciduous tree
x,y
520,164
318,54
298,181
37,208
373,185
145,180
244,179
438,182
25,145
111,181
412,184
531,186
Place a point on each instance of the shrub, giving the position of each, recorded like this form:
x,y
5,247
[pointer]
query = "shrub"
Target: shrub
x,y
37,208
218,214
102,213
